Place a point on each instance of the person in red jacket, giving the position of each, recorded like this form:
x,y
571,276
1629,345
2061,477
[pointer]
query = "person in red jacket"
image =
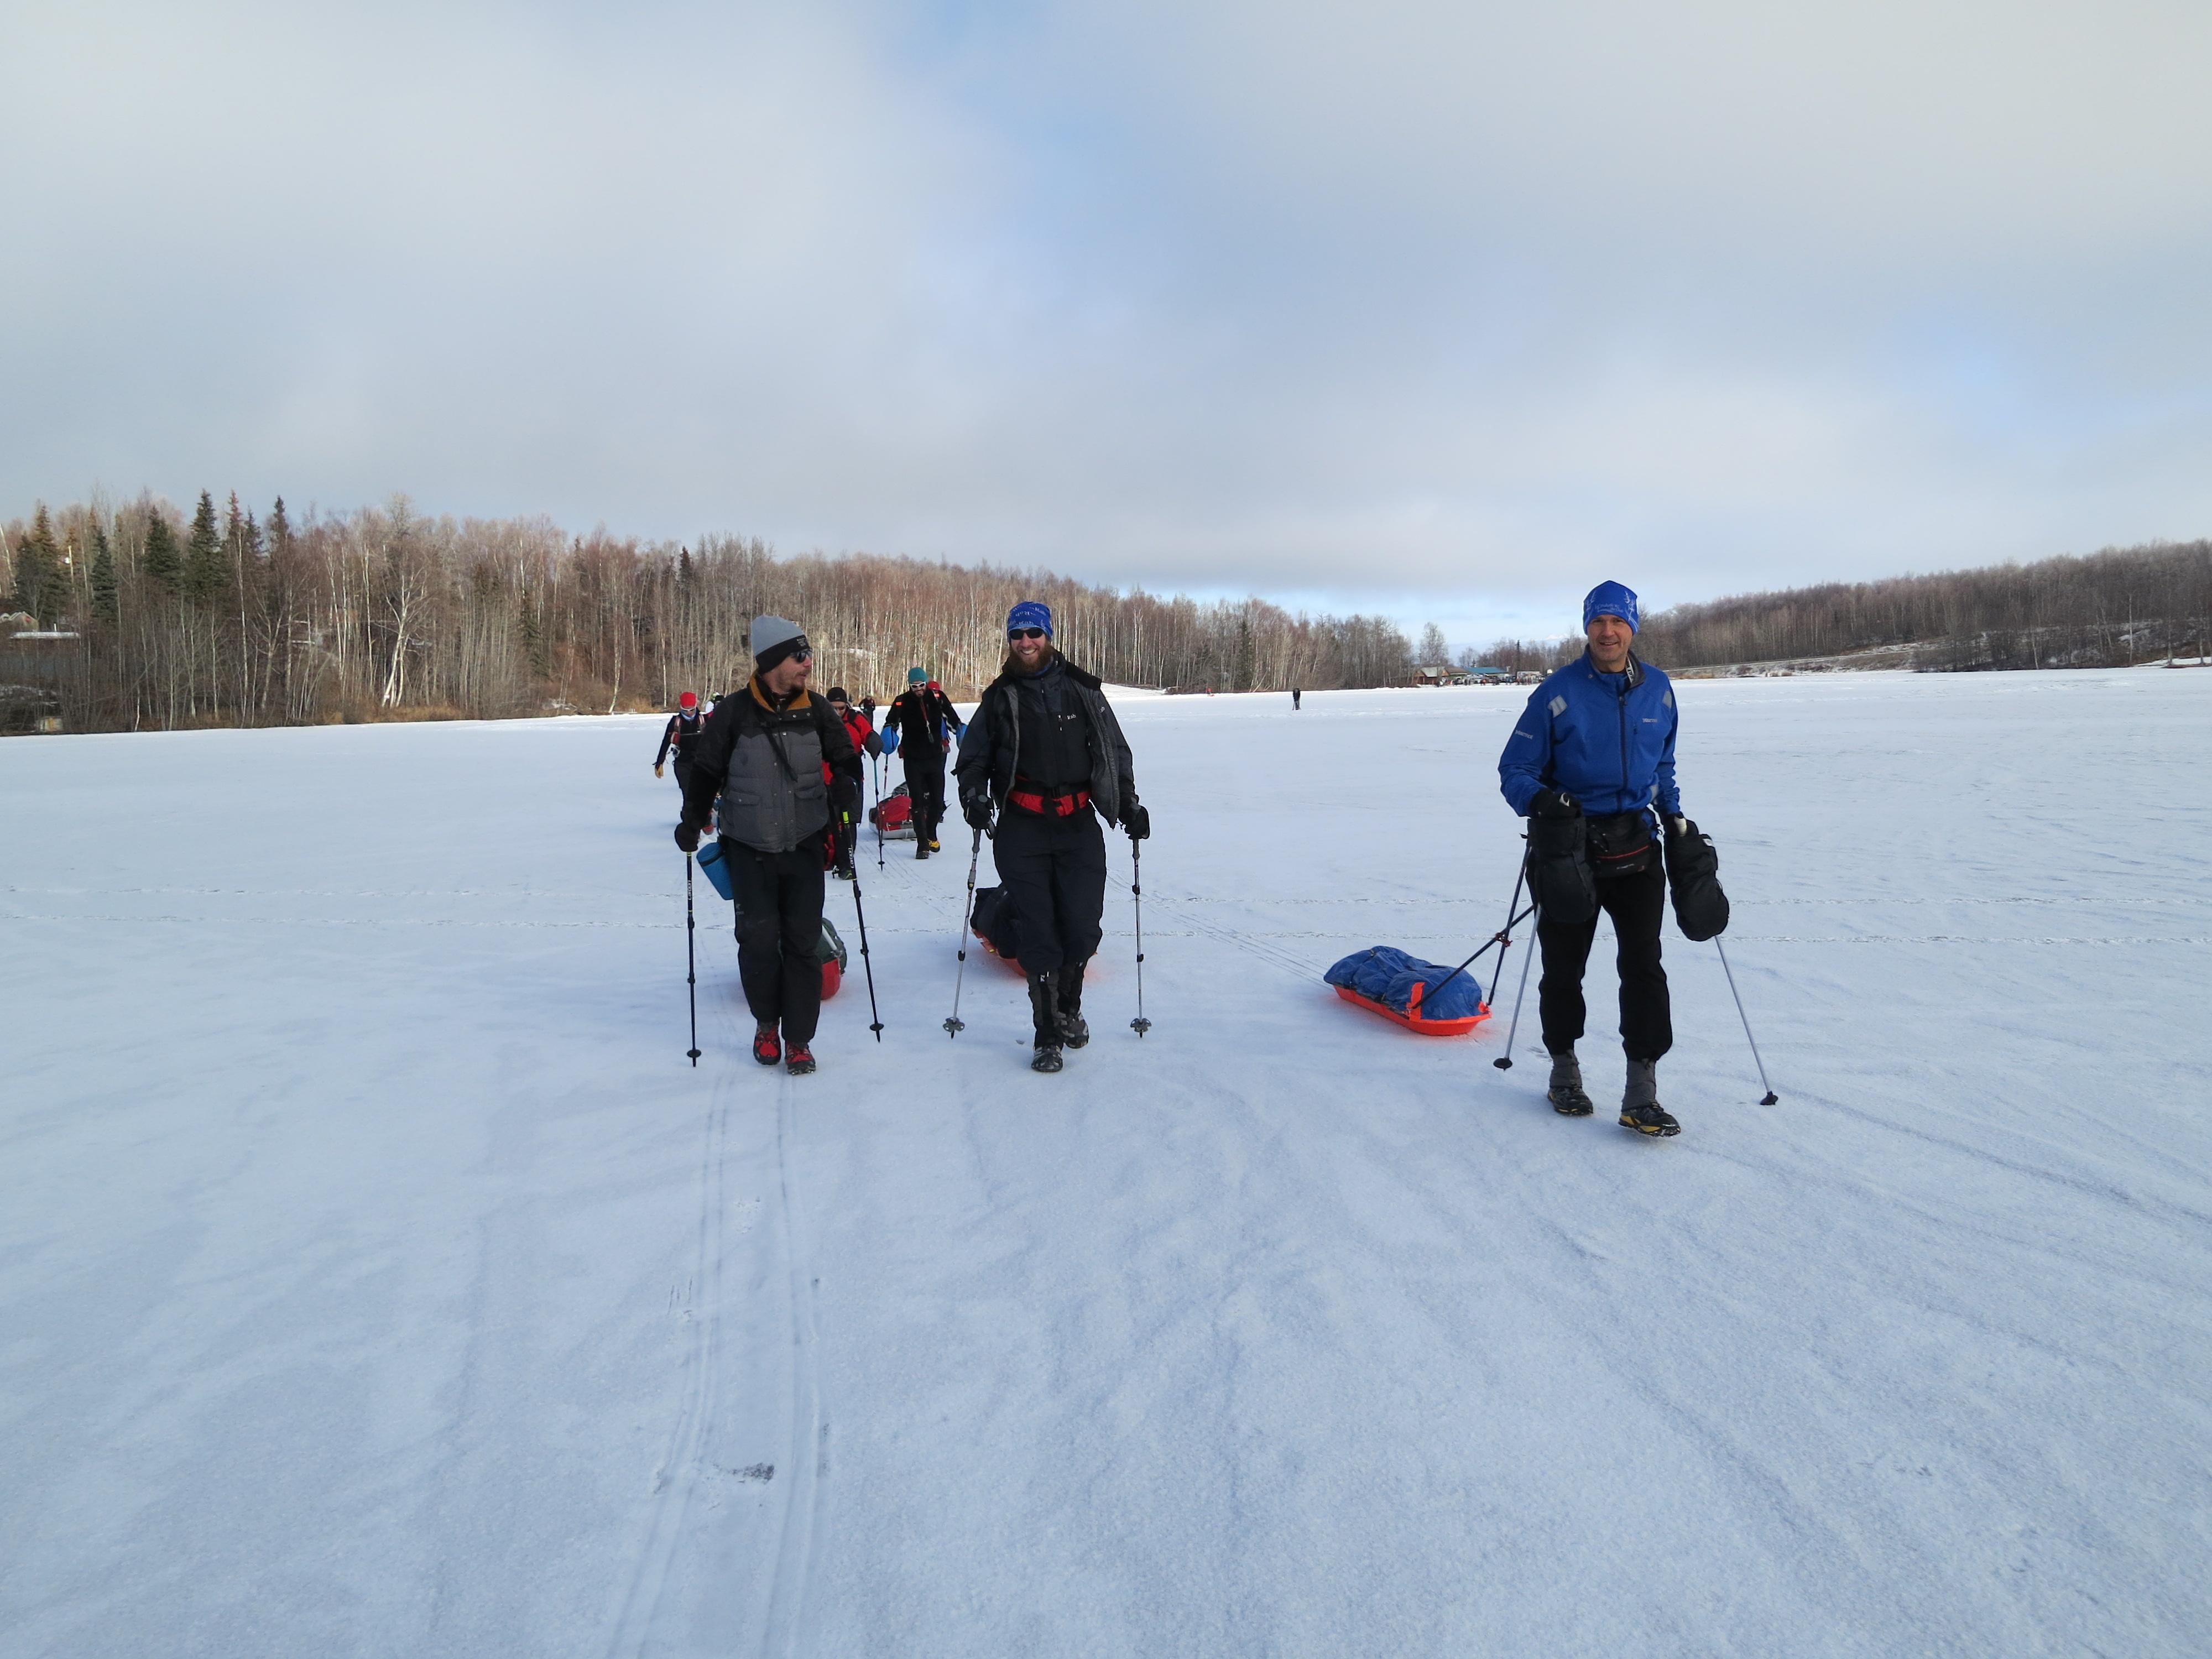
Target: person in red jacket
x,y
865,741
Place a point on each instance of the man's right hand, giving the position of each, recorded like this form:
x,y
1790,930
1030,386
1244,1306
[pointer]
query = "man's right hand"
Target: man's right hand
x,y
1553,804
976,809
687,837
656,771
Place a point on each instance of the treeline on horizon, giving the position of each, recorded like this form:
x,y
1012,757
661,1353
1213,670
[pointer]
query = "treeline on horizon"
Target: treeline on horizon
x,y
225,618
2107,609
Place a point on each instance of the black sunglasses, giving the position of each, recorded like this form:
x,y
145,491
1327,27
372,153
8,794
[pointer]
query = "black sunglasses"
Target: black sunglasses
x,y
1025,633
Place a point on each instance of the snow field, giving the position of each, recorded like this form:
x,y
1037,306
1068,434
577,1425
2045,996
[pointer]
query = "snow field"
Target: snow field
x,y
377,1278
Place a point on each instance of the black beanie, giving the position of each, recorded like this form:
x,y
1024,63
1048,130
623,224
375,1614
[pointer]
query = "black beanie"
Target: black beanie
x,y
781,651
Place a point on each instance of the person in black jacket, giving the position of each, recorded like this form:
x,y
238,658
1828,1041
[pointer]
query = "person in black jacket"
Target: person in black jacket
x,y
777,769
1046,752
925,723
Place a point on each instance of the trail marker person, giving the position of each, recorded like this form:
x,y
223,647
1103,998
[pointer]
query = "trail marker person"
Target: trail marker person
x,y
865,741
1590,759
1295,695
680,734
773,767
920,727
1045,749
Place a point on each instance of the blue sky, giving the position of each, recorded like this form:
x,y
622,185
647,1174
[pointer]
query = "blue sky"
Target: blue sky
x,y
1449,310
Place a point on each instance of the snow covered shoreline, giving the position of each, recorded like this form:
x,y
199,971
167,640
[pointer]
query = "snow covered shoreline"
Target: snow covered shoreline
x,y
376,1277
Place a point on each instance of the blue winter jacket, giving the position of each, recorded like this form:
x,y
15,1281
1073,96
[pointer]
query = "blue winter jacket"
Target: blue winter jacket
x,y
1606,739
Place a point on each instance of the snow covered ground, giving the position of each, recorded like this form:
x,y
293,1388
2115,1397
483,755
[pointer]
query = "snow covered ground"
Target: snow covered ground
x,y
377,1278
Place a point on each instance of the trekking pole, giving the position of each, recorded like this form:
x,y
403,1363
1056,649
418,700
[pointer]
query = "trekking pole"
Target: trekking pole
x,y
875,1020
1771,1097
1140,1024
879,811
1504,1062
955,1025
1503,936
691,958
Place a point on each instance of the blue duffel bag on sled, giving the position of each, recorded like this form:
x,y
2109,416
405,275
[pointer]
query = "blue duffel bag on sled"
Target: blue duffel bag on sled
x,y
1426,997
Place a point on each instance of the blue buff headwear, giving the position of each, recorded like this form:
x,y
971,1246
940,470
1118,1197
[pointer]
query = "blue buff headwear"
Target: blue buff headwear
x,y
1030,614
1611,600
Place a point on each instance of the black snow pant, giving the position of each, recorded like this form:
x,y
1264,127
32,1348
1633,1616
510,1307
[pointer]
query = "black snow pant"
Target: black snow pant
x,y
682,776
779,898
1054,871
925,786
1637,905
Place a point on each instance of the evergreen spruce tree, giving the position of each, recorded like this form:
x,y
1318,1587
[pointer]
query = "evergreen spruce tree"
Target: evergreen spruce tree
x,y
107,603
163,566
205,568
40,587
280,529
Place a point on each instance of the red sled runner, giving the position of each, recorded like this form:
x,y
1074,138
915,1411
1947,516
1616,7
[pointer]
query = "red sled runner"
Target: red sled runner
x,y
1411,1019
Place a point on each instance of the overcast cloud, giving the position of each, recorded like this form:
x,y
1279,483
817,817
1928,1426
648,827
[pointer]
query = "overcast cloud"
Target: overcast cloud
x,y
1445,309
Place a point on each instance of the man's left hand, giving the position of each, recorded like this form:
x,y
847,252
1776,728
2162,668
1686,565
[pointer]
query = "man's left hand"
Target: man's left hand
x,y
1137,820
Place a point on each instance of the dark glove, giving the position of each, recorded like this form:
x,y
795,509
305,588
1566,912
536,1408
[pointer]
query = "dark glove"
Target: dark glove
x,y
1138,821
1553,804
687,837
976,809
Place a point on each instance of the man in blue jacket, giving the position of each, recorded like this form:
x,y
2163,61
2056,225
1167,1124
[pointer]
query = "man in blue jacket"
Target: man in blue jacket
x,y
1590,760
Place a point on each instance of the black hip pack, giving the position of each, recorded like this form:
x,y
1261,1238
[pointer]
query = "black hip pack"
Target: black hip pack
x,y
1620,845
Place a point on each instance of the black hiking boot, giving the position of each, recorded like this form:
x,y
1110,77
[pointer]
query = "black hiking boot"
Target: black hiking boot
x,y
1073,1030
1640,1109
1044,1016
1566,1092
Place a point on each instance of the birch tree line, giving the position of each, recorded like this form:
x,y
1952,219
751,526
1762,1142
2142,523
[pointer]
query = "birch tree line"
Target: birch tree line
x,y
154,619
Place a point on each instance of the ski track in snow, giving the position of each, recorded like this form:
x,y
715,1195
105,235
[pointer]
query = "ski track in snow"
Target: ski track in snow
x,y
376,1276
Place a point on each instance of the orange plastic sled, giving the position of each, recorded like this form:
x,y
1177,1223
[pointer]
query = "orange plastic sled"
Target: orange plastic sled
x,y
1411,1019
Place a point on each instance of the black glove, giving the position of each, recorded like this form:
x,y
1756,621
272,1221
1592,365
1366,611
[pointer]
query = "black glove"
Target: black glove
x,y
976,809
1553,804
687,837
1138,821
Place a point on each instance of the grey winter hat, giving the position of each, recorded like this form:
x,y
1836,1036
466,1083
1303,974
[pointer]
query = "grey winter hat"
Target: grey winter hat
x,y
769,632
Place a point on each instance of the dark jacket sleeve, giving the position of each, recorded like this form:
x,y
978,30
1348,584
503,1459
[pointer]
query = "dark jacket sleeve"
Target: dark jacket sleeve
x,y
972,771
710,760
1125,766
667,737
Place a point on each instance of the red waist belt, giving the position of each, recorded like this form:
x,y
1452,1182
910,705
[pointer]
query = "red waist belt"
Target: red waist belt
x,y
1059,806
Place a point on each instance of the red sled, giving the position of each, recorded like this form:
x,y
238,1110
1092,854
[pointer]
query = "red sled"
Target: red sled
x,y
1411,1019
893,816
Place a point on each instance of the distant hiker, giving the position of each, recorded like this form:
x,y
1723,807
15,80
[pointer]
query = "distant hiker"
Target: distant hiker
x,y
680,734
1295,695
1591,758
865,741
920,727
1045,749
776,768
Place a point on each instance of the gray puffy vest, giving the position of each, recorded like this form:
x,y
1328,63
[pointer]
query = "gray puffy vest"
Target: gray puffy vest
x,y
774,796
